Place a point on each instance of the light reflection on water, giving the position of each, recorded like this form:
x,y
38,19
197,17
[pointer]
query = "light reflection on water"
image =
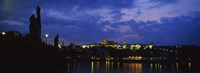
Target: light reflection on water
x,y
92,67
122,67
189,65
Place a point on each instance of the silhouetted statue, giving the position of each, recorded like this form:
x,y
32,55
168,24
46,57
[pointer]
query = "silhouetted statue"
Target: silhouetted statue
x,y
56,41
35,25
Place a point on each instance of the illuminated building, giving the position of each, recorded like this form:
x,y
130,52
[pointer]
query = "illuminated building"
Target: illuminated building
x,y
107,43
90,45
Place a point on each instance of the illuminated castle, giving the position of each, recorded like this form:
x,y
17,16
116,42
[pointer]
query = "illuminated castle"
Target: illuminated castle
x,y
107,43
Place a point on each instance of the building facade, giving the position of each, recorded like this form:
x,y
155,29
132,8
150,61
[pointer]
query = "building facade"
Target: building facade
x,y
107,43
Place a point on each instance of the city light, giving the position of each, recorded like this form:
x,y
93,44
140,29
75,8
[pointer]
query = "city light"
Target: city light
x,y
111,58
189,59
46,35
59,46
134,58
107,58
67,57
3,33
139,57
150,46
92,57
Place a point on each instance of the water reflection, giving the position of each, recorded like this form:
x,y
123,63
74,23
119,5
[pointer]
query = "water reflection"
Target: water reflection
x,y
189,65
122,67
97,66
176,66
92,67
135,67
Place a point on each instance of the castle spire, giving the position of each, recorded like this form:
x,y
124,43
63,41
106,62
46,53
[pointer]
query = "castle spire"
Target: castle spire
x,y
104,41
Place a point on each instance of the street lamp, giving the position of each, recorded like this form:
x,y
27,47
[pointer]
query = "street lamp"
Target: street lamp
x,y
46,35
3,33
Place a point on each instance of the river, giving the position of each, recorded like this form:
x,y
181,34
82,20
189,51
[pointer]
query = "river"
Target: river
x,y
127,67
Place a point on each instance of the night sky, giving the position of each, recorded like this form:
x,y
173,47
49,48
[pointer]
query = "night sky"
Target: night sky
x,y
163,22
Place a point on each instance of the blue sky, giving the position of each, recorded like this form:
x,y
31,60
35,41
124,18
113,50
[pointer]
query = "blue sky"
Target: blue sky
x,y
163,22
